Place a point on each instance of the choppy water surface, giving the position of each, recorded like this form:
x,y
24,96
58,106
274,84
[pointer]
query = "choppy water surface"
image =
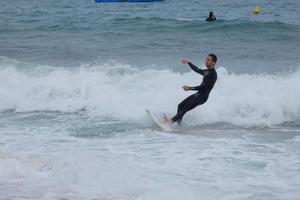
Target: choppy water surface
x,y
76,78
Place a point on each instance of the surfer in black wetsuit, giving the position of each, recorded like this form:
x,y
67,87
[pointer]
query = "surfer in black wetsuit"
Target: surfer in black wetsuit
x,y
211,17
203,90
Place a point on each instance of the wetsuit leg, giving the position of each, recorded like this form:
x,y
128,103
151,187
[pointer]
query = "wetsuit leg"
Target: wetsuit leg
x,y
188,104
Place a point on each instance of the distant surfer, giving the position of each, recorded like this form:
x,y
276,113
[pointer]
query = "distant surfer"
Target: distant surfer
x,y
203,90
211,17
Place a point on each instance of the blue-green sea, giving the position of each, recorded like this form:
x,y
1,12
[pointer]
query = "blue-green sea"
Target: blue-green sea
x,y
77,76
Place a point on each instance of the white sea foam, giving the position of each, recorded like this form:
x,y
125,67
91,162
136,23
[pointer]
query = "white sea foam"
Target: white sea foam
x,y
122,92
144,165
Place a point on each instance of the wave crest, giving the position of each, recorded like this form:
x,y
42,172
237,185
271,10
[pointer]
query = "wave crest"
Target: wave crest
x,y
122,92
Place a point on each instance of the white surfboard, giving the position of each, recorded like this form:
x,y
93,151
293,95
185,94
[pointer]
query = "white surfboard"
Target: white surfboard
x,y
163,126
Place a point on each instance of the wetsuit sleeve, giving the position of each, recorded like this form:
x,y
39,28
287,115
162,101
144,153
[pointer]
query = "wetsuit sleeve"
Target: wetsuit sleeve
x,y
196,69
196,87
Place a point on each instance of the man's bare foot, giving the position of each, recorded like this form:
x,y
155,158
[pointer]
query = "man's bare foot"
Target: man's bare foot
x,y
166,119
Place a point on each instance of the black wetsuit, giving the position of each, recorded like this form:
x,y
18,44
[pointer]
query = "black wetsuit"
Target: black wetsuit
x,y
201,96
211,18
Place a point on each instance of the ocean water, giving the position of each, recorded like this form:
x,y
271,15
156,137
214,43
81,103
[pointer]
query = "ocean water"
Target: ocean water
x,y
77,76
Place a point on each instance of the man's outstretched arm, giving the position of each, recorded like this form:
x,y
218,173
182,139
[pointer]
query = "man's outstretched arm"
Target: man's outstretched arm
x,y
196,69
193,67
196,87
187,88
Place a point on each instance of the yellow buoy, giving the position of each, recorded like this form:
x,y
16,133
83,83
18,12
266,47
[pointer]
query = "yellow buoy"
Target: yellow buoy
x,y
256,9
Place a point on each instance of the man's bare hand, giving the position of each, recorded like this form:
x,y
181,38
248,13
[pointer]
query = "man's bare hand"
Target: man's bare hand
x,y
186,88
184,61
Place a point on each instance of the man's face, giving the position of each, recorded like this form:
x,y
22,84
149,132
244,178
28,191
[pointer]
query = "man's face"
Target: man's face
x,y
209,62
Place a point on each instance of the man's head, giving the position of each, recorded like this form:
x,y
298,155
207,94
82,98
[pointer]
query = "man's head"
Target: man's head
x,y
211,60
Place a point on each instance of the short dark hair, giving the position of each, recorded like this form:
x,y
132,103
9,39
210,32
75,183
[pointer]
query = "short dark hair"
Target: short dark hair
x,y
214,57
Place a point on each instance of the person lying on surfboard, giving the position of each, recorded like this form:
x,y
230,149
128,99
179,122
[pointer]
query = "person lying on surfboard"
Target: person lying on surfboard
x,y
203,90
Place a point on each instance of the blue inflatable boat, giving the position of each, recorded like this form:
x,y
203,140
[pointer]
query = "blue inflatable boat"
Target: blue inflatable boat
x,y
127,1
